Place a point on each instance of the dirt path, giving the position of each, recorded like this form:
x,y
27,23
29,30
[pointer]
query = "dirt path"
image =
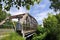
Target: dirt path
x,y
2,36
5,32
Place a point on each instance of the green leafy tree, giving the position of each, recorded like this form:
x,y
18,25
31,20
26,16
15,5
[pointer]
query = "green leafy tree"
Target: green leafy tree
x,y
55,4
58,31
58,17
41,33
51,29
17,3
53,25
50,22
8,23
3,15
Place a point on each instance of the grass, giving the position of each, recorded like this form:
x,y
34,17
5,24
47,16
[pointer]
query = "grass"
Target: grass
x,y
13,36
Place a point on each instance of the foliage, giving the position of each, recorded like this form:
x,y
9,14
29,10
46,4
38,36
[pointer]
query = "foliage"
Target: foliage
x,y
13,36
51,29
18,3
40,37
8,23
58,17
55,4
53,25
50,22
3,15
40,33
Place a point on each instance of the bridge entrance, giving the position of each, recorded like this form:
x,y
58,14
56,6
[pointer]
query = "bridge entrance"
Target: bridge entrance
x,y
26,25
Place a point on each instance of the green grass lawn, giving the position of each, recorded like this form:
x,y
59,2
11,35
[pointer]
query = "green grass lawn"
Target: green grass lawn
x,y
13,36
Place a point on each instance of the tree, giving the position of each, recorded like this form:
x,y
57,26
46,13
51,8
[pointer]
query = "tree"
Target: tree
x,y
58,33
51,21
41,33
8,23
55,4
3,15
51,29
53,25
17,3
58,17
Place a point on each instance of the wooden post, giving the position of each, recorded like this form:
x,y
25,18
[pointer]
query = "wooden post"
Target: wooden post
x,y
22,32
21,28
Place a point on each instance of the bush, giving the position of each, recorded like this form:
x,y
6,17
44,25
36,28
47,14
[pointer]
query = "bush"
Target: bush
x,y
41,33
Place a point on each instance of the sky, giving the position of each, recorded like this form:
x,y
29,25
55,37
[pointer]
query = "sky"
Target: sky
x,y
38,11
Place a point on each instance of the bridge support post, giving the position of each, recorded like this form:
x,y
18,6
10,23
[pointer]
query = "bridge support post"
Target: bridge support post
x,y
22,33
20,28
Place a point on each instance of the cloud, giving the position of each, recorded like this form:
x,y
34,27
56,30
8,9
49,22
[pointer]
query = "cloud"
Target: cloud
x,y
38,11
40,16
42,6
15,11
37,8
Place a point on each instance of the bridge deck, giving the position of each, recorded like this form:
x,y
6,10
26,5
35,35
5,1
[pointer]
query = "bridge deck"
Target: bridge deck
x,y
28,31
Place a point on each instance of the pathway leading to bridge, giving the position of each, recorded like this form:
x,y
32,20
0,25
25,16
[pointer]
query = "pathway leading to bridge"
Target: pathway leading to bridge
x,y
5,32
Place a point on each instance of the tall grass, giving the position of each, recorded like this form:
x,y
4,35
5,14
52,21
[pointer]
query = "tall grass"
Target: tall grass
x,y
13,36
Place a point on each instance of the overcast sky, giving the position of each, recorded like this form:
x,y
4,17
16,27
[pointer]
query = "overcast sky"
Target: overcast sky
x,y
38,11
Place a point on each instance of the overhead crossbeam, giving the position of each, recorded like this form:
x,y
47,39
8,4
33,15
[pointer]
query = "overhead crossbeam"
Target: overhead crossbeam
x,y
16,16
11,17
